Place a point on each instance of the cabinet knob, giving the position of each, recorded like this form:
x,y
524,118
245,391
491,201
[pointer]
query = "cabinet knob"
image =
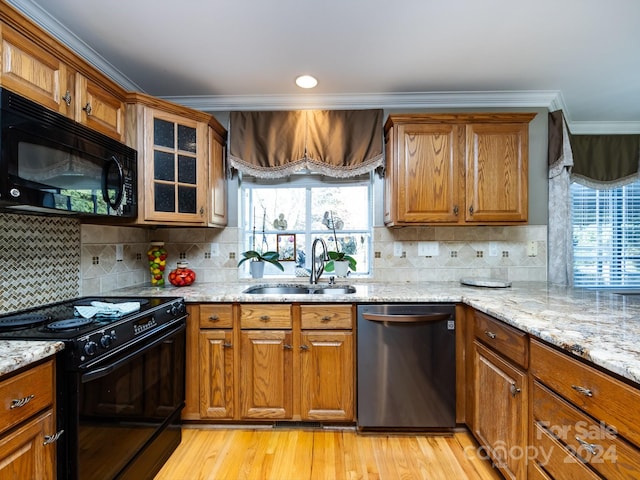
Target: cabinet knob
x,y
87,108
264,318
21,402
326,318
582,390
471,210
67,98
214,318
514,390
490,334
455,210
286,346
52,438
304,347
227,345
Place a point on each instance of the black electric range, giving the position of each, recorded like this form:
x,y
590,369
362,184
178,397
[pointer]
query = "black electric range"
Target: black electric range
x,y
119,383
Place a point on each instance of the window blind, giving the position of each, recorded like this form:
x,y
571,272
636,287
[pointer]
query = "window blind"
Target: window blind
x,y
606,236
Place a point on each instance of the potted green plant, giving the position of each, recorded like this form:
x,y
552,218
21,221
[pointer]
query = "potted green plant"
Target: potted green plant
x,y
258,259
340,262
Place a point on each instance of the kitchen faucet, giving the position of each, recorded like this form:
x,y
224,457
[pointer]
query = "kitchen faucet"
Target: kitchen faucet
x,y
317,267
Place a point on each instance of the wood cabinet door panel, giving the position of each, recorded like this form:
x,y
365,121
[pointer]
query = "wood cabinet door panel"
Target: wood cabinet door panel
x,y
331,317
266,388
216,315
98,109
217,182
496,173
327,381
265,315
216,381
29,70
428,173
23,454
509,341
500,410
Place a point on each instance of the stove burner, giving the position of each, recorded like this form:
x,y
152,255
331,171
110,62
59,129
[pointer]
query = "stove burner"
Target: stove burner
x,y
69,323
22,321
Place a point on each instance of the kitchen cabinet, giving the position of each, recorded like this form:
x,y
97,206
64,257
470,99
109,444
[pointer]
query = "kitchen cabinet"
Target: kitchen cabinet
x,y
35,73
27,423
266,365
41,69
173,143
456,169
327,380
589,416
217,178
500,393
99,109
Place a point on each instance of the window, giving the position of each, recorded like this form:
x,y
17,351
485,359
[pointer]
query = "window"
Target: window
x,y
297,210
606,236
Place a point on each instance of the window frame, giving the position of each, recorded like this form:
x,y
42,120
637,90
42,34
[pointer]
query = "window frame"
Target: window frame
x,y
308,181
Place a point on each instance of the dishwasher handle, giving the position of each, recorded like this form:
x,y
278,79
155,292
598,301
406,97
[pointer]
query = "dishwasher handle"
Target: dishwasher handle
x,y
410,318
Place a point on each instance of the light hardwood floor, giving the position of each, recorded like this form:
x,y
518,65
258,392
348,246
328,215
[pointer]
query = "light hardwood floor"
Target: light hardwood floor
x,y
275,454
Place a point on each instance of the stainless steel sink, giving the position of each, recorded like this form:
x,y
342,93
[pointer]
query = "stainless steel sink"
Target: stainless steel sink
x,y
300,289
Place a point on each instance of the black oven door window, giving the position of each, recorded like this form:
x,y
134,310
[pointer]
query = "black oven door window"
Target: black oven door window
x,y
121,411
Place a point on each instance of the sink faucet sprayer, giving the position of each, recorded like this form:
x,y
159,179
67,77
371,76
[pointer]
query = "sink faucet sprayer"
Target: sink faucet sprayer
x,y
317,267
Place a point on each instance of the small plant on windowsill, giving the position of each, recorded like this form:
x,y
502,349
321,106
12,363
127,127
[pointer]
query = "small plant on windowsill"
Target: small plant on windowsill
x,y
257,258
340,262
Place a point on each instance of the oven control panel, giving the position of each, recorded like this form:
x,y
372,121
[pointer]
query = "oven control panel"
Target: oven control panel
x,y
128,330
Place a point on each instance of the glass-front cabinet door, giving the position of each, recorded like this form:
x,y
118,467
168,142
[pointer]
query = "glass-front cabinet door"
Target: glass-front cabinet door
x,y
176,165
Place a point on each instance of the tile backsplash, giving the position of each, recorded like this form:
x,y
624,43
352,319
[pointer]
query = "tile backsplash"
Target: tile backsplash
x,y
46,259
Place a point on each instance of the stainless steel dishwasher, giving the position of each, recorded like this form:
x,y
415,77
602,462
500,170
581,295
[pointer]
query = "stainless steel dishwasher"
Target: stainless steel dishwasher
x,y
406,366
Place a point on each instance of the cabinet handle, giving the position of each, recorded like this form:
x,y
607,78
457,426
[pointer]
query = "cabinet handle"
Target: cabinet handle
x,y
67,98
592,448
214,318
584,391
304,347
471,210
264,318
52,438
455,210
490,334
286,346
20,402
326,318
514,390
201,211
87,108
227,345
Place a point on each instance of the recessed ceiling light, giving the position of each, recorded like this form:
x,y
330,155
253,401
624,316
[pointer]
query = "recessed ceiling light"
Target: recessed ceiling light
x,y
306,81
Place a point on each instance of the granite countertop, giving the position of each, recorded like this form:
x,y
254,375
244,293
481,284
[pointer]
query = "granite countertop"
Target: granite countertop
x,y
15,354
598,326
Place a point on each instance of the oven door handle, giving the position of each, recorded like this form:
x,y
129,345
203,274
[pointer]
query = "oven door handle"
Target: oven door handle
x,y
107,369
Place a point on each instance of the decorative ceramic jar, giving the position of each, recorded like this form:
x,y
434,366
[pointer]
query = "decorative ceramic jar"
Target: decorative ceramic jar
x,y
157,256
182,276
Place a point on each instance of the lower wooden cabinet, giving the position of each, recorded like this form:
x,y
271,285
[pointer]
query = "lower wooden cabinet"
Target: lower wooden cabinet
x,y
270,362
27,424
500,410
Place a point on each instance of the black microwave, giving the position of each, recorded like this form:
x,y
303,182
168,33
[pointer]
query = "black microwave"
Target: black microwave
x,y
51,164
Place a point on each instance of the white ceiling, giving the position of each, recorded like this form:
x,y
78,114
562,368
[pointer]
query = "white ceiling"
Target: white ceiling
x,y
579,55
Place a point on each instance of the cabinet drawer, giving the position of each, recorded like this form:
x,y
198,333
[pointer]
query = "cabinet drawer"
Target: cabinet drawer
x,y
509,341
594,392
611,456
326,317
557,461
265,315
216,316
25,394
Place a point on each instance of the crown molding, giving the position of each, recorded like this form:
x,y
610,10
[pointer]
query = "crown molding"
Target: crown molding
x,y
550,99
490,99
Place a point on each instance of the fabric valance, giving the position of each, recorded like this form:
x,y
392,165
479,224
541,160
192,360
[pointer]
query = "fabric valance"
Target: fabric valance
x,y
336,143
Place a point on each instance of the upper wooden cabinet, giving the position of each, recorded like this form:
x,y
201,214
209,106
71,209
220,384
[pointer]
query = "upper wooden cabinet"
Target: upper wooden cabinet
x,y
174,146
41,69
217,177
35,73
456,169
99,109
